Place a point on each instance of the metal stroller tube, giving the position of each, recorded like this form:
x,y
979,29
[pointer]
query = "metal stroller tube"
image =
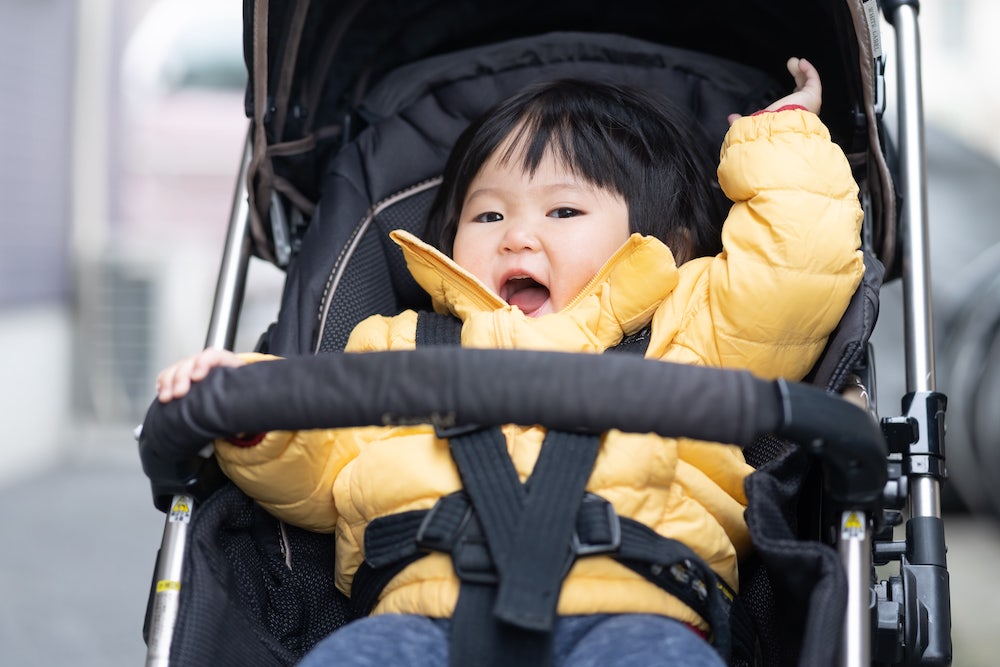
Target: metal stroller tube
x,y
920,374
919,336
923,580
222,334
235,259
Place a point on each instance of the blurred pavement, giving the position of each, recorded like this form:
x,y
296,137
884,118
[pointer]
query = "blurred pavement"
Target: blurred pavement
x,y
80,539
81,534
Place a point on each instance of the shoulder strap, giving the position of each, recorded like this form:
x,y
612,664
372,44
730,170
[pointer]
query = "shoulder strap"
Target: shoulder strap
x,y
438,329
635,343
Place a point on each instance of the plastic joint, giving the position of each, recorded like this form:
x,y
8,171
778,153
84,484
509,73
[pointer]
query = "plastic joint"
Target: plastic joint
x,y
925,456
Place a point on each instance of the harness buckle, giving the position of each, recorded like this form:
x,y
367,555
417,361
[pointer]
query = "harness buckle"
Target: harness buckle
x,y
600,527
451,526
444,523
473,562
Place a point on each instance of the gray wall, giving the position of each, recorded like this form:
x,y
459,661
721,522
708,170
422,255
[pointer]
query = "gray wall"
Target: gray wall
x,y
37,42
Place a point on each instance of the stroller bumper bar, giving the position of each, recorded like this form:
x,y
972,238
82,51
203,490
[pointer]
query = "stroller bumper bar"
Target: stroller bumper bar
x,y
570,392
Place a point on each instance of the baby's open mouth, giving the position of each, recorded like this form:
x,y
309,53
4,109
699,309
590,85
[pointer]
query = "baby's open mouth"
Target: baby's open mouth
x,y
524,292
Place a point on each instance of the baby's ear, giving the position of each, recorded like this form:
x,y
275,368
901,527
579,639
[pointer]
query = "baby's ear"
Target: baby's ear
x,y
733,117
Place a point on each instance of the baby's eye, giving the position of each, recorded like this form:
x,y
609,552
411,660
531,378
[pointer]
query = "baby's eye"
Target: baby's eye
x,y
564,212
489,216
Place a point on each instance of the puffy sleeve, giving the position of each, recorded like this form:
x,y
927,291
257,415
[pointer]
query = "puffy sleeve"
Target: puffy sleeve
x,y
290,473
791,257
378,333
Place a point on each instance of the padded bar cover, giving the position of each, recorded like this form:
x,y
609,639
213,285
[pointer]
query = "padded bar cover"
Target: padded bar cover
x,y
844,437
453,387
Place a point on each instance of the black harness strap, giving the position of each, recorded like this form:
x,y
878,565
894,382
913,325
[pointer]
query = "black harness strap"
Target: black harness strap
x,y
498,497
489,477
388,549
435,329
675,568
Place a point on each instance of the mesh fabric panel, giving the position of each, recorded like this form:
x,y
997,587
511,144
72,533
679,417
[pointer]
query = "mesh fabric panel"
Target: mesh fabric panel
x,y
375,280
241,605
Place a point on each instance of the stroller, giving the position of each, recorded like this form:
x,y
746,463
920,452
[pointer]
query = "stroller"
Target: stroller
x,y
353,107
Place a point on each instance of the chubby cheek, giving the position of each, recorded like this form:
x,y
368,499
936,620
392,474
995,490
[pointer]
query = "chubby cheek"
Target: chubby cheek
x,y
576,263
469,252
570,284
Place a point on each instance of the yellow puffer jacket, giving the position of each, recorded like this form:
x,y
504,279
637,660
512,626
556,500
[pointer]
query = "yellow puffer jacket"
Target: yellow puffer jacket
x,y
767,303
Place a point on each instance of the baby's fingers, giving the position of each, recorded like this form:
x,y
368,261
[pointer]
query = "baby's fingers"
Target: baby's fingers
x,y
209,359
806,75
175,380
794,68
808,87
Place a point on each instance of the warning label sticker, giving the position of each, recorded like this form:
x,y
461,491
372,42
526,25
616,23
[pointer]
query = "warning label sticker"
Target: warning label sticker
x,y
852,526
167,585
180,511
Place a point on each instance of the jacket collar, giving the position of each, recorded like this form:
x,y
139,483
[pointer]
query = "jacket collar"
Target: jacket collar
x,y
629,287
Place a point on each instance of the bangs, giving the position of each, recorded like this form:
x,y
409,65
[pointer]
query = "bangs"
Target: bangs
x,y
574,138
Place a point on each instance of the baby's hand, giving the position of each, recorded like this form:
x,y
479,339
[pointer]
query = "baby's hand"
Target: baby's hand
x,y
175,380
808,91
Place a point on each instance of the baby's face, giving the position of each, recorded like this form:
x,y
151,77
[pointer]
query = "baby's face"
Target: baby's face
x,y
536,241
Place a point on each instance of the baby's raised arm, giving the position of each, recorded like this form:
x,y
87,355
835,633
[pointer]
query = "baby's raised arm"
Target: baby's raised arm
x,y
175,380
792,258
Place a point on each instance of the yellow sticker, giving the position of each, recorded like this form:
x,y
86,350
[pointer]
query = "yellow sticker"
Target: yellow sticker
x,y
852,526
167,585
180,511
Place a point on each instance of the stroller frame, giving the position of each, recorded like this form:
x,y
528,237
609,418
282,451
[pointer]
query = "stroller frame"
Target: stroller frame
x,y
916,438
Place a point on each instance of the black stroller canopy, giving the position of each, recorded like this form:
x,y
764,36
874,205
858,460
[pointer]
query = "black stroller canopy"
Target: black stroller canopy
x,y
318,60
347,46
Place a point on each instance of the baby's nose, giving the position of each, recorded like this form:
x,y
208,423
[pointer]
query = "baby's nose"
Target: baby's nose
x,y
519,235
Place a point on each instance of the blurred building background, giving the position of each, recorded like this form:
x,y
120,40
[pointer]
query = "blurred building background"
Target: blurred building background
x,y
122,128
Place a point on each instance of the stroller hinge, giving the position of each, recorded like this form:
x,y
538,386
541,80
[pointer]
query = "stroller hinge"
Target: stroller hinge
x,y
919,435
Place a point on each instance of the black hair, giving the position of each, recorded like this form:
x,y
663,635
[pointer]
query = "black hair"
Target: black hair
x,y
646,150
